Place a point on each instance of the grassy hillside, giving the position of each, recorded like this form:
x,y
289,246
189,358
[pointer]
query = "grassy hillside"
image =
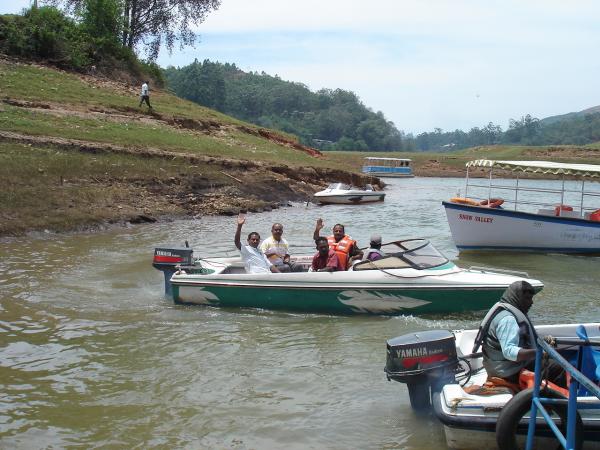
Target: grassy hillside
x,y
60,104
77,151
567,116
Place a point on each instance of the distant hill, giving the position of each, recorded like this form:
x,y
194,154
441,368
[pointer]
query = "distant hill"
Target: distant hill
x,y
327,119
553,119
575,128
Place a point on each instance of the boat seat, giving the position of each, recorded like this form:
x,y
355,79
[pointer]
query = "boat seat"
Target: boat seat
x,y
235,268
573,214
454,393
590,365
546,212
552,212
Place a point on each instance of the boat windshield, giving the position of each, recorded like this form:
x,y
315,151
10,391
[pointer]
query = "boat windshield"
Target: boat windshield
x,y
340,186
415,253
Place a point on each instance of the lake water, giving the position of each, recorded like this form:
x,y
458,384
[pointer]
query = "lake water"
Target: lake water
x,y
92,355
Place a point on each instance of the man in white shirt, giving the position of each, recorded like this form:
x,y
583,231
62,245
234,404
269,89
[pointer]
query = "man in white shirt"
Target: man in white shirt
x,y
145,95
254,260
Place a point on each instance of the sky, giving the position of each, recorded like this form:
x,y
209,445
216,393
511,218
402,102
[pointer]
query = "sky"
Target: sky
x,y
453,64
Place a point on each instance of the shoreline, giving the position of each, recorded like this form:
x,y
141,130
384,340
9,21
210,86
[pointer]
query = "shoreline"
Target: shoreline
x,y
77,155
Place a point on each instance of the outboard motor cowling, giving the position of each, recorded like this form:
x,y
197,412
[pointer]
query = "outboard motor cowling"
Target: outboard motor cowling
x,y
169,260
425,361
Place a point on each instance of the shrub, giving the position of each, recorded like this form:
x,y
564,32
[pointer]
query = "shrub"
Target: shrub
x,y
48,34
45,33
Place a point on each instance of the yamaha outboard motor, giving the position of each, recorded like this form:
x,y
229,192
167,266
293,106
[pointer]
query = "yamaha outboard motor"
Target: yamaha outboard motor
x,y
425,361
169,260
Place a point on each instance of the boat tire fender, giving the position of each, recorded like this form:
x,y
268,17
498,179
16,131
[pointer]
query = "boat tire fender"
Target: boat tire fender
x,y
492,202
518,406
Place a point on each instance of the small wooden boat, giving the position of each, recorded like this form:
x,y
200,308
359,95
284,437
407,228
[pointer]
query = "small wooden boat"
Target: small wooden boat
x,y
511,217
413,278
340,193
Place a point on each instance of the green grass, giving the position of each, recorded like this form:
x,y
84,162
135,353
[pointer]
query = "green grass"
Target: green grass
x,y
132,133
34,83
355,160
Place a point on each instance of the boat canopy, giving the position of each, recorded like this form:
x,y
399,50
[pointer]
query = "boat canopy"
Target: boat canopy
x,y
555,168
339,186
374,158
411,253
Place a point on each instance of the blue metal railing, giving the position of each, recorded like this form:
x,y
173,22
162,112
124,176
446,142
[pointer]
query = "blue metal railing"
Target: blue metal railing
x,y
577,378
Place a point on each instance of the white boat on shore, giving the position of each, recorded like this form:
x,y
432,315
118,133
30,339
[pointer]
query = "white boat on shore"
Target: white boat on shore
x,y
486,218
340,193
439,369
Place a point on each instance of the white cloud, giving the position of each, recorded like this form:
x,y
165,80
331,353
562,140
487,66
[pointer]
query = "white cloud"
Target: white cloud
x,y
14,6
422,63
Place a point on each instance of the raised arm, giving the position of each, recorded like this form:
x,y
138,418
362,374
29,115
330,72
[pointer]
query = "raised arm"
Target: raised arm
x,y
240,223
318,228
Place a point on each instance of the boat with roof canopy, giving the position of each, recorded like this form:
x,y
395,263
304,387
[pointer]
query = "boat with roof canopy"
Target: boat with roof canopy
x,y
388,167
528,214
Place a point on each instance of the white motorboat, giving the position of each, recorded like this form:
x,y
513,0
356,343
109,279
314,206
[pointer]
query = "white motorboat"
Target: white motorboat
x,y
413,278
439,369
519,216
340,193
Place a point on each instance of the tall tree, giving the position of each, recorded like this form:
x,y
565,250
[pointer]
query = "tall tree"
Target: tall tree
x,y
153,23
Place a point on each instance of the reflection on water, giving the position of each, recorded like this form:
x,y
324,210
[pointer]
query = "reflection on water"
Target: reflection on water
x,y
93,355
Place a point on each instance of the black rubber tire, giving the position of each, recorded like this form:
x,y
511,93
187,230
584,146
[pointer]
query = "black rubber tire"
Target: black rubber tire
x,y
518,406
420,396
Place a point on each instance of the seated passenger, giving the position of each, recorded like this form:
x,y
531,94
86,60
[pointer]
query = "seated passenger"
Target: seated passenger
x,y
254,260
508,339
276,249
325,260
374,252
345,247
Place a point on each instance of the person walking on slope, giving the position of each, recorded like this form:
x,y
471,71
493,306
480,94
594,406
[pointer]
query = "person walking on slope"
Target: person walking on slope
x,y
145,95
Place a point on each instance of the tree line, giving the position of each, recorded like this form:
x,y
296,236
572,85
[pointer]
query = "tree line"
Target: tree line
x,y
80,34
335,119
330,119
105,35
578,129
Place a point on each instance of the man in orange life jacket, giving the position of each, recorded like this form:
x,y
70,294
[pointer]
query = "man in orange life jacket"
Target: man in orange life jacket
x,y
343,245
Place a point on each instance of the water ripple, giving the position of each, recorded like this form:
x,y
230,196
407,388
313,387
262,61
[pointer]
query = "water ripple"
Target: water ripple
x,y
93,355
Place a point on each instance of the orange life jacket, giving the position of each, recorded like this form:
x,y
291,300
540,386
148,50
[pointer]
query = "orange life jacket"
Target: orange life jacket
x,y
341,248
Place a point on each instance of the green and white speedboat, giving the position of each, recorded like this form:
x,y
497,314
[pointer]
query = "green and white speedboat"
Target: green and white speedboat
x,y
414,278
